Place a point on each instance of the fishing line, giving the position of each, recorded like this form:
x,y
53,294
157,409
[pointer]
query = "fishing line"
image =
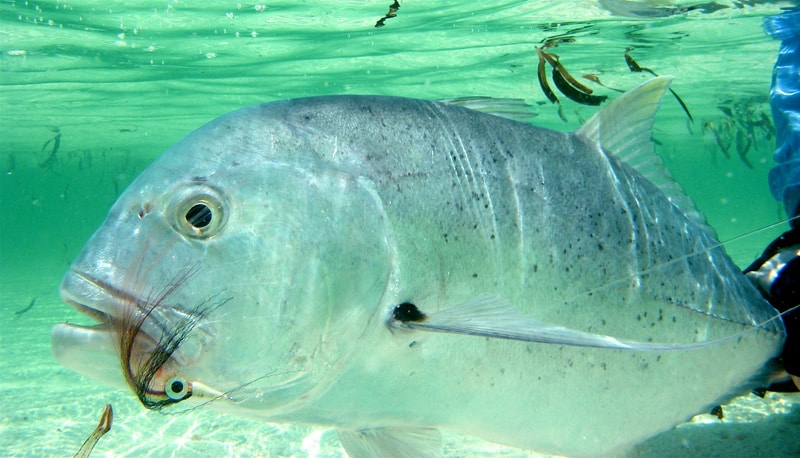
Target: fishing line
x,y
226,395
654,268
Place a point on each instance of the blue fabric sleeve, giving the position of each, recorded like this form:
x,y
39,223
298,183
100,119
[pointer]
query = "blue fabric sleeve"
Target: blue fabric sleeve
x,y
784,98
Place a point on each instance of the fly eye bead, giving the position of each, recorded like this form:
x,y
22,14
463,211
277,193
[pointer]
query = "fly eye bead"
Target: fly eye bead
x,y
177,389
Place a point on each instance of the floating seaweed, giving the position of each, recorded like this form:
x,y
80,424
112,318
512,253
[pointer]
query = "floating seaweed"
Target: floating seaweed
x,y
573,92
548,92
636,68
564,81
392,13
721,130
596,79
744,126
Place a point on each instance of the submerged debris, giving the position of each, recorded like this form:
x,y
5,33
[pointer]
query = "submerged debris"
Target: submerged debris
x,y
103,427
392,13
19,313
56,141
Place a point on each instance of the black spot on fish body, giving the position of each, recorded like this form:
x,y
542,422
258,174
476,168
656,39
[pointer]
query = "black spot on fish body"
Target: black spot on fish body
x,y
408,312
717,412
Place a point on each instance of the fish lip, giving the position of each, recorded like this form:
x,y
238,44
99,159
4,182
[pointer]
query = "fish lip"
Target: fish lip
x,y
99,300
80,291
103,319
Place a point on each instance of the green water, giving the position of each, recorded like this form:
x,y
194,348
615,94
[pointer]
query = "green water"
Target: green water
x,y
91,92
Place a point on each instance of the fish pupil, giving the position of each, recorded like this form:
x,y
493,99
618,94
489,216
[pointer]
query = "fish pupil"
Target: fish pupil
x,y
176,386
199,216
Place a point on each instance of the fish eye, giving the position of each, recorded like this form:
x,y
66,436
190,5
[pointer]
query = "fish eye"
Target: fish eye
x,y
199,215
177,389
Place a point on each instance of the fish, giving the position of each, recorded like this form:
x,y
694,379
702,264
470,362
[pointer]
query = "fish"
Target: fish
x,y
391,268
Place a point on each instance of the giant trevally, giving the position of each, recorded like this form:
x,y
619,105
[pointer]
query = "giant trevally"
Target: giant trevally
x,y
391,267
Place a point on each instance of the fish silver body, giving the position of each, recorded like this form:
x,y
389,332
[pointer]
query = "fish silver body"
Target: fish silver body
x,y
328,212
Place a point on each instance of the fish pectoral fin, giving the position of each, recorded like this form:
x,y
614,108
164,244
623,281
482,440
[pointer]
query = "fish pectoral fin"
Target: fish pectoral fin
x,y
488,316
392,441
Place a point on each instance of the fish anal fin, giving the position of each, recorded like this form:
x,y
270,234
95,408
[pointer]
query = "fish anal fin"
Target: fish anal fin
x,y
392,441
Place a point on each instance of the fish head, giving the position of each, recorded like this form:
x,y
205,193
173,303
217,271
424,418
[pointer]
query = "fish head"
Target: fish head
x,y
231,270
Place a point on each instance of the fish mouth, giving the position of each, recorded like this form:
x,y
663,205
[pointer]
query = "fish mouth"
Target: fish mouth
x,y
93,297
93,350
107,304
130,333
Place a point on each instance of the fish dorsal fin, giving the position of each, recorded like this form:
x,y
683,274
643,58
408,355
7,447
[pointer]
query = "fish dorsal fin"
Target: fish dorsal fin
x,y
624,129
514,109
395,442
